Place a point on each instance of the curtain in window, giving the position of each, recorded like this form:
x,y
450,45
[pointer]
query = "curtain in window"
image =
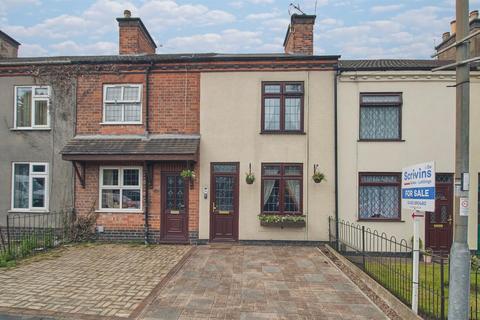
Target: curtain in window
x,y
379,202
379,123
292,113
270,196
272,114
292,195
41,112
24,107
21,186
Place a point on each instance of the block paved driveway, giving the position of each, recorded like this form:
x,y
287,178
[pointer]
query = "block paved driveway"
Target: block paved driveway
x,y
260,282
106,279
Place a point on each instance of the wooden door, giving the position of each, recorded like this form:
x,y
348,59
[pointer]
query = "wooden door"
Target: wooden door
x,y
438,224
224,202
174,208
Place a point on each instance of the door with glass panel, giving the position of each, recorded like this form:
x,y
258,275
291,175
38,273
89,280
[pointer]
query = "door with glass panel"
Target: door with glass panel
x,y
438,224
224,202
174,207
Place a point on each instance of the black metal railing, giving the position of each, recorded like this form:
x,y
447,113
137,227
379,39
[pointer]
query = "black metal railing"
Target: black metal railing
x,y
29,233
388,260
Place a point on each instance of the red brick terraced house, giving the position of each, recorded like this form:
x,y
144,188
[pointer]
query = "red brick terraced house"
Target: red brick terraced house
x,y
138,130
137,134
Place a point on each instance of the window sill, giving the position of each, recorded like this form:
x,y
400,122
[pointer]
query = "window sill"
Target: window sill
x,y
380,220
119,211
283,132
28,211
380,140
30,129
121,123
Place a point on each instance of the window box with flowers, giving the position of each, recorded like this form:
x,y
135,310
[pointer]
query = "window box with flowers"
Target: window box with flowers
x,y
282,221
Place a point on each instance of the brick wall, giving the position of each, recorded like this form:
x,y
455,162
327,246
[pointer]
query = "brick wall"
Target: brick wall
x,y
299,39
174,103
130,226
133,40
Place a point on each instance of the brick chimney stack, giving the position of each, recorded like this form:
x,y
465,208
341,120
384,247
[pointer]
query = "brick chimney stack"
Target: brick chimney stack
x,y
8,46
133,36
448,38
299,37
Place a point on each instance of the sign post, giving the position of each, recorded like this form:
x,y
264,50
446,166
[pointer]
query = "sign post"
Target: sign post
x,y
418,195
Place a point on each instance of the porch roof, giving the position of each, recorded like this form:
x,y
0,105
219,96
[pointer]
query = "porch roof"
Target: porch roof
x,y
132,147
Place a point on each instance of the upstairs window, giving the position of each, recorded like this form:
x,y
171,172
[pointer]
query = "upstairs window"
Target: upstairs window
x,y
122,104
282,188
32,107
282,107
379,196
380,116
30,186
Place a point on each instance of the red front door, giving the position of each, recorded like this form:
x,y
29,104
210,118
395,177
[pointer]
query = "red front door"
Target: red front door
x,y
174,208
224,202
438,224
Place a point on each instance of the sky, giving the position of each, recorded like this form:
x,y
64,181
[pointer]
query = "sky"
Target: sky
x,y
354,29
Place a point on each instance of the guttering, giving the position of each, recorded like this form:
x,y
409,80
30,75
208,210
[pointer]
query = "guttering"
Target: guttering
x,y
335,106
147,98
146,169
146,174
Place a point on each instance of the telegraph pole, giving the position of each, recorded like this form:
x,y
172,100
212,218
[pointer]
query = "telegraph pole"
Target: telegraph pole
x,y
459,285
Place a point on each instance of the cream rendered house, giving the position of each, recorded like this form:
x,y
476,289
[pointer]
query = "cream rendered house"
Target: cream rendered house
x,y
392,114
277,122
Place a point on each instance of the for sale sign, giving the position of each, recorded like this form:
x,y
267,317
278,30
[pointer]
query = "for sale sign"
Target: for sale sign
x,y
418,187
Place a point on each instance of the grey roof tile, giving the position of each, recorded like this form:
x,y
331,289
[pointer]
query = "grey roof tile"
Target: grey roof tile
x,y
124,146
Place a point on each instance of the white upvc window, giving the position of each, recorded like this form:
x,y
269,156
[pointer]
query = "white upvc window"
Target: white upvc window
x,y
32,107
122,104
29,186
120,189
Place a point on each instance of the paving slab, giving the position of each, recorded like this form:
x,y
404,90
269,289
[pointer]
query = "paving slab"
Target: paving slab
x,y
260,282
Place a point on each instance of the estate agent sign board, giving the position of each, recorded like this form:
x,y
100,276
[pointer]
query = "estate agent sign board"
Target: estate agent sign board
x,y
418,187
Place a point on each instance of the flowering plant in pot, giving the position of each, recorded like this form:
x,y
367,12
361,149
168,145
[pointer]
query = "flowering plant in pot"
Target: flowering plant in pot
x,y
188,174
318,177
249,178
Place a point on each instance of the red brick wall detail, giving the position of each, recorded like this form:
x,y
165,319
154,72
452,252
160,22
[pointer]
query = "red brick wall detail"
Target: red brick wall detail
x,y
87,199
174,104
132,40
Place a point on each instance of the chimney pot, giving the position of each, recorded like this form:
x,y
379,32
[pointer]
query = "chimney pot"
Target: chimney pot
x,y
445,35
453,27
127,14
473,15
